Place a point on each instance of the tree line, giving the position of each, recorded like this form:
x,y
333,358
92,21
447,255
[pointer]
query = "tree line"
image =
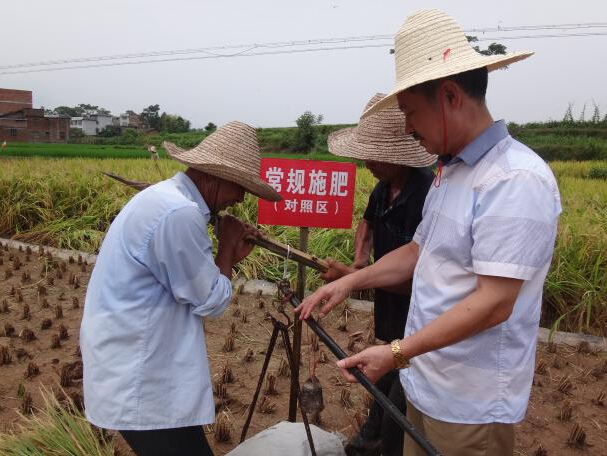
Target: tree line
x,y
150,117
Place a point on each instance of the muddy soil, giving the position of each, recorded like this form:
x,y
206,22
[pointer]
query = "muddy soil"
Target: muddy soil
x,y
43,298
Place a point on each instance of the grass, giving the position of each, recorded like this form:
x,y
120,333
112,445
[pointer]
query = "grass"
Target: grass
x,y
69,204
56,430
575,292
74,151
30,150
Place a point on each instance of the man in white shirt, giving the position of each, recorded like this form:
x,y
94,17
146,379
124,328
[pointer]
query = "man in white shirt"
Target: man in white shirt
x,y
478,259
146,371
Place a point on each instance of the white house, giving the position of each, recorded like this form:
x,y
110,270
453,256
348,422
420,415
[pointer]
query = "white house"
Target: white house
x,y
86,124
91,125
102,120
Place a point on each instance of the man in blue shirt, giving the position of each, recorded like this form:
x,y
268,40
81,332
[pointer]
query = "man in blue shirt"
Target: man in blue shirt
x,y
146,372
478,259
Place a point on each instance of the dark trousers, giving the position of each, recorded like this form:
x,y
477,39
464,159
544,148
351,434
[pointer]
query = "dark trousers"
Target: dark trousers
x,y
186,441
390,433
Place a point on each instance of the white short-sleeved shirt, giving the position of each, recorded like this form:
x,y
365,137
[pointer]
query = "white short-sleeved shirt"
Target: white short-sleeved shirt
x,y
142,341
494,213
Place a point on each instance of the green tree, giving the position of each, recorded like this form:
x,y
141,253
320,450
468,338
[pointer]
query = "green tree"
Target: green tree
x,y
150,116
210,128
596,115
568,117
76,134
82,110
492,49
90,110
67,111
173,124
583,114
109,131
305,135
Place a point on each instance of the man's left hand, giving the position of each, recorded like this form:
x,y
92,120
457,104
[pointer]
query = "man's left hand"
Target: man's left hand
x,y
374,362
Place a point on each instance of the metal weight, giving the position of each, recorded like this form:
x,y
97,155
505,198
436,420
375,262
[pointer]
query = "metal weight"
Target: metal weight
x,y
311,396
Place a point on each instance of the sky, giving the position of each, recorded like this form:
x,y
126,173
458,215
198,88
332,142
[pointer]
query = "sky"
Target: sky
x,y
273,90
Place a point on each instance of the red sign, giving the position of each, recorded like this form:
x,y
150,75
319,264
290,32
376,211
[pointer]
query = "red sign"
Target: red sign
x,y
316,193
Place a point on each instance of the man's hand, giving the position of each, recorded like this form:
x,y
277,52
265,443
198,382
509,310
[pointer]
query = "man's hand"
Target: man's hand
x,y
374,362
231,234
244,246
333,293
336,270
391,269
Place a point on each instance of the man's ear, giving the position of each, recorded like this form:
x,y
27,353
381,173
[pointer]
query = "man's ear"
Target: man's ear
x,y
452,93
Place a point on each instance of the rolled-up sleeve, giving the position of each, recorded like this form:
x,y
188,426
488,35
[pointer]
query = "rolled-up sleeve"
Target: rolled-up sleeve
x,y
180,255
514,226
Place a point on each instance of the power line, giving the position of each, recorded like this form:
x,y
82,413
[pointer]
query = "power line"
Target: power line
x,y
522,37
246,49
205,57
585,25
207,50
250,46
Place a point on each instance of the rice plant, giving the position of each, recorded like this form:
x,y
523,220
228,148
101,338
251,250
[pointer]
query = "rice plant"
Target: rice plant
x,y
55,430
68,203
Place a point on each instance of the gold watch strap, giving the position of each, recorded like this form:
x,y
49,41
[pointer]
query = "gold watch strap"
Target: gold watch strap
x,y
399,359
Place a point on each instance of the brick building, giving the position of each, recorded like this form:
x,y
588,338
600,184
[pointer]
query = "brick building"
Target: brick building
x,y
130,119
19,121
14,100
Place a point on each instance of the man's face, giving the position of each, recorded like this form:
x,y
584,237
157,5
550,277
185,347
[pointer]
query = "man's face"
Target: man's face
x,y
228,194
424,119
381,170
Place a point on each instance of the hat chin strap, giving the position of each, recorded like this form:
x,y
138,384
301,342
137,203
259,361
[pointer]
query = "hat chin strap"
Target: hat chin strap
x,y
444,119
439,172
213,208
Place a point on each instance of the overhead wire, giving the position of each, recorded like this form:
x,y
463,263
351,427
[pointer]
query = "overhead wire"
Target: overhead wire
x,y
287,47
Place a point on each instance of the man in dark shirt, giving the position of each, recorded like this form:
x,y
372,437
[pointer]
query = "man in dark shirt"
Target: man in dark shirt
x,y
390,220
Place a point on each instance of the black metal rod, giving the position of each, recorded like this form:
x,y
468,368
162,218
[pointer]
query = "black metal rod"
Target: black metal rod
x,y
285,337
380,397
279,329
264,368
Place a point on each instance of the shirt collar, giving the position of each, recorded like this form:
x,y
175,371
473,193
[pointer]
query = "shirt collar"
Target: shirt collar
x,y
483,143
189,189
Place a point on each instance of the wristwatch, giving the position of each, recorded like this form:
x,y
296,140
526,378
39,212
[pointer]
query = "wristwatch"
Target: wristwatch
x,y
399,359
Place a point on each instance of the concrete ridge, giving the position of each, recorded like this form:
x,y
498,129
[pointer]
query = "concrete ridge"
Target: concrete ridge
x,y
61,253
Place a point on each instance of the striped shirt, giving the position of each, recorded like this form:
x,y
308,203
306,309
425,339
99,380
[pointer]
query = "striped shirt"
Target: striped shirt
x,y
494,213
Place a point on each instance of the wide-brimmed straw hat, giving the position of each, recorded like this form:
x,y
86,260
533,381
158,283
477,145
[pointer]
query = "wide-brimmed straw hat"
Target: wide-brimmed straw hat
x,y
231,153
431,45
380,137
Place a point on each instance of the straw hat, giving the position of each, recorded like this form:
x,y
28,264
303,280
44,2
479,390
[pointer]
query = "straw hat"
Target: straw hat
x,y
380,137
231,153
431,45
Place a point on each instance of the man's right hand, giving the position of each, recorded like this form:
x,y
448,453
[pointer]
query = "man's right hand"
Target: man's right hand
x,y
336,270
333,293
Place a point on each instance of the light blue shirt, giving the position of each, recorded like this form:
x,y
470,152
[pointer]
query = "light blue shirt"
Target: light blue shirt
x,y
494,213
142,340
